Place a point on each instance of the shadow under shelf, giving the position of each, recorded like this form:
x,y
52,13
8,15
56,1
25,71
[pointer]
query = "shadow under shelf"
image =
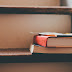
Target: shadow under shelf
x,y
35,10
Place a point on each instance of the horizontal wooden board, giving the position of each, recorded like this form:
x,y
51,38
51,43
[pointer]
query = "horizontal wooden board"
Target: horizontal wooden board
x,y
14,51
35,10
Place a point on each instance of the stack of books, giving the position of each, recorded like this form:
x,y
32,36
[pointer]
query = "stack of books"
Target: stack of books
x,y
50,42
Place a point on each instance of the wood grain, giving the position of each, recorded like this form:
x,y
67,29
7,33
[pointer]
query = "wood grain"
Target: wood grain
x,y
35,10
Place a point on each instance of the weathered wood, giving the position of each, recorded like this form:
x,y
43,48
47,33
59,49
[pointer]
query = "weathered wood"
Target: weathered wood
x,y
35,10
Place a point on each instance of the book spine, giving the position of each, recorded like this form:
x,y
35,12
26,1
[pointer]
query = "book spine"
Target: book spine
x,y
41,40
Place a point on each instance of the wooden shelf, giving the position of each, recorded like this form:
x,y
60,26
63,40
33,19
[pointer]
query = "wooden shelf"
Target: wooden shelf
x,y
24,53
15,52
35,10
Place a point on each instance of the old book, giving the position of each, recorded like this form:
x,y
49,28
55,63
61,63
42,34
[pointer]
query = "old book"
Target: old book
x,y
40,49
54,41
55,34
59,42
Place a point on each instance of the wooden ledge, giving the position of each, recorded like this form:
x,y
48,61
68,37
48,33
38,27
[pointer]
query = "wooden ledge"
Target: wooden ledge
x,y
15,52
35,10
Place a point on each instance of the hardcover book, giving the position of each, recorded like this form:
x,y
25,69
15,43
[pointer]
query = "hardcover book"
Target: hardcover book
x,y
53,40
40,49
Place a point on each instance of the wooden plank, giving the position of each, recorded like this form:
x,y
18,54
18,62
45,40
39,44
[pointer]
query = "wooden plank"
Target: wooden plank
x,y
14,52
35,10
